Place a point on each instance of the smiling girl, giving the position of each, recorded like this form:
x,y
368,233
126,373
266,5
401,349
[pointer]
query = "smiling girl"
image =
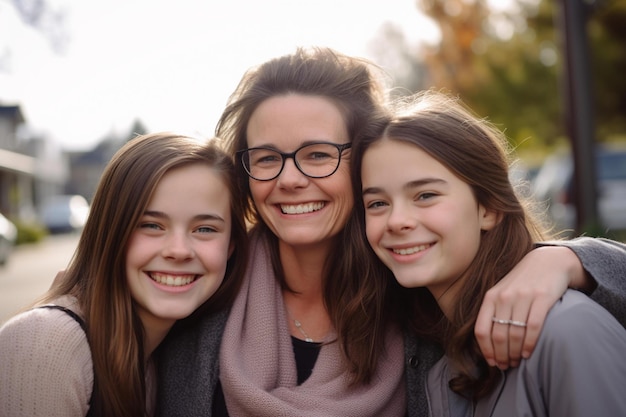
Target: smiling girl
x,y
443,216
164,238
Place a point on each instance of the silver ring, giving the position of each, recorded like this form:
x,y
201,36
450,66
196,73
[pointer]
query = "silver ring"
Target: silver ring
x,y
511,322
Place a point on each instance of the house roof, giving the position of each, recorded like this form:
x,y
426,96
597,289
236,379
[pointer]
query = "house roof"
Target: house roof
x,y
12,112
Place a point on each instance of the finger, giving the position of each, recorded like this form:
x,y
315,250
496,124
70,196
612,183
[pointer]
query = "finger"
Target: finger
x,y
534,324
517,330
482,330
500,335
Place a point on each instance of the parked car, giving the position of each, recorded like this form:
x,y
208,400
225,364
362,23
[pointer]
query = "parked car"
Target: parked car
x,y
64,213
554,186
8,235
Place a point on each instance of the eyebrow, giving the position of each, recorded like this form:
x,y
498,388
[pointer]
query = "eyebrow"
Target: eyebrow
x,y
305,143
197,217
409,185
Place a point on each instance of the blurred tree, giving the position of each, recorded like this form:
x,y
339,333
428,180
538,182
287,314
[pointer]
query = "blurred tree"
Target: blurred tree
x,y
394,53
503,64
608,41
45,18
451,63
506,64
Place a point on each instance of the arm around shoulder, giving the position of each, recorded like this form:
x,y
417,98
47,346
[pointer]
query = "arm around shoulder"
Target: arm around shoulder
x,y
46,366
604,261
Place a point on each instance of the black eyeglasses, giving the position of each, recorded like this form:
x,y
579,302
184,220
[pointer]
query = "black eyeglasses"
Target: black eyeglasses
x,y
315,160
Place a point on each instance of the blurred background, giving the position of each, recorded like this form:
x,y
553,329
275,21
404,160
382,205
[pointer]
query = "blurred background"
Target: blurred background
x,y
79,78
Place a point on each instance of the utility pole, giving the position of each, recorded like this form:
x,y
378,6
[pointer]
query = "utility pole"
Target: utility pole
x,y
578,105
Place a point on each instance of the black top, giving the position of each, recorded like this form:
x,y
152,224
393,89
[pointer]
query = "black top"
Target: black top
x,y
306,354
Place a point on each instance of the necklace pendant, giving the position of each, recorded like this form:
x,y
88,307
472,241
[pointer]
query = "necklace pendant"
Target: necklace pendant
x,y
299,327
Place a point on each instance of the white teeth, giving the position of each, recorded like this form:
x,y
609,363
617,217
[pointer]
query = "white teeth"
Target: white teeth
x,y
172,280
410,251
301,208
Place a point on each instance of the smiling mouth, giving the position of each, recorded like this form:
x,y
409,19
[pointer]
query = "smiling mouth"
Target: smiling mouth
x,y
411,251
301,208
172,280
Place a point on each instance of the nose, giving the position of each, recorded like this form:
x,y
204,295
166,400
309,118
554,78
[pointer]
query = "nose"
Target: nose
x,y
291,176
178,247
402,218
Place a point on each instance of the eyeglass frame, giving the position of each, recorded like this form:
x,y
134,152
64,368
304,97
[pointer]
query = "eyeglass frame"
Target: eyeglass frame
x,y
286,155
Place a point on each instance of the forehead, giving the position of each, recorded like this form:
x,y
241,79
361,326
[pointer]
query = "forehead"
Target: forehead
x,y
181,184
288,121
397,161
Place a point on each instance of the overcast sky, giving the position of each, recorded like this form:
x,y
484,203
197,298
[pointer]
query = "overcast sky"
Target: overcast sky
x,y
171,64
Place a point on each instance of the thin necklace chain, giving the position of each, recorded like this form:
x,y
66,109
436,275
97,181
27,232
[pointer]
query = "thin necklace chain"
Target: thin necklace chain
x,y
299,327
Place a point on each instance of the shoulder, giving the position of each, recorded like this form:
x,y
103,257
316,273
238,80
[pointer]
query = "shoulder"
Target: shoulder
x,y
44,333
577,324
42,322
575,310
577,367
45,351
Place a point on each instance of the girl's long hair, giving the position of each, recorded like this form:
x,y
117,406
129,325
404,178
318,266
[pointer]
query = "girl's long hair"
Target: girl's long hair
x,y
354,298
478,154
97,272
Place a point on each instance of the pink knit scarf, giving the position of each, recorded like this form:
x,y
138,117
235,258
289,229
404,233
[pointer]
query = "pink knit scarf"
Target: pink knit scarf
x,y
258,370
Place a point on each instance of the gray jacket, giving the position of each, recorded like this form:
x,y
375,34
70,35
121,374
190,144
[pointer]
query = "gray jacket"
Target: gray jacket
x,y
576,370
188,361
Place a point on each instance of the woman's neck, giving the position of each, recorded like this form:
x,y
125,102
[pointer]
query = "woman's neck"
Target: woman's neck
x,y
304,273
303,267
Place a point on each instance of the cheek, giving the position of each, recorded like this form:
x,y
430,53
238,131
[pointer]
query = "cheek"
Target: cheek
x,y
134,250
373,229
259,190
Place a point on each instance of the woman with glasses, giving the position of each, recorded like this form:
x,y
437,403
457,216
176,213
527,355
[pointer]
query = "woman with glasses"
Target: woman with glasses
x,y
312,332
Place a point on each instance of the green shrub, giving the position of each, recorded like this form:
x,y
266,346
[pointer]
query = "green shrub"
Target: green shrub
x,y
28,232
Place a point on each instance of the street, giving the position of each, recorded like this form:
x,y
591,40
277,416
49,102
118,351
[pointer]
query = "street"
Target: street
x,y
30,271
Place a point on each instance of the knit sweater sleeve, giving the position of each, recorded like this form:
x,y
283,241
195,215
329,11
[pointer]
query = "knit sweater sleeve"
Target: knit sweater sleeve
x,y
45,366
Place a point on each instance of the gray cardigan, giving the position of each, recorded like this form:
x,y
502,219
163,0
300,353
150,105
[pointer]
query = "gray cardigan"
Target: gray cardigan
x,y
188,371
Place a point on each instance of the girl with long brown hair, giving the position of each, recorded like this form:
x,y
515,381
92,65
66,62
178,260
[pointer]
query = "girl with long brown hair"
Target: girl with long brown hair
x,y
165,240
442,215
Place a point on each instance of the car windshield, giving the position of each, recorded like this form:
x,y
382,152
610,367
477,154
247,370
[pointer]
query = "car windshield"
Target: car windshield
x,y
612,166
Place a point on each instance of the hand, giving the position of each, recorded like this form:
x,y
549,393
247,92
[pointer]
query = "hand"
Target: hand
x,y
525,295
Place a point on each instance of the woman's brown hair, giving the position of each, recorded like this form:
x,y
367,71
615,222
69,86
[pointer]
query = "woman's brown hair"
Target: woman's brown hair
x,y
96,274
477,153
353,297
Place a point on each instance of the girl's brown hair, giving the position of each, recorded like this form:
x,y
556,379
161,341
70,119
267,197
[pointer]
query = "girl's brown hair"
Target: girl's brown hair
x,y
353,297
96,274
477,153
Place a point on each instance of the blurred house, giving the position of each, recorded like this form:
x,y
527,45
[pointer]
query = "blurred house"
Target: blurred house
x,y
87,167
17,170
31,168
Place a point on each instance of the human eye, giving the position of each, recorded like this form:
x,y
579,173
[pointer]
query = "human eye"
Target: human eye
x,y
149,225
318,152
206,229
375,204
426,196
264,157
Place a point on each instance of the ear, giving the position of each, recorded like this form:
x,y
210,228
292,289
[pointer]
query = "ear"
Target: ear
x,y
488,218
